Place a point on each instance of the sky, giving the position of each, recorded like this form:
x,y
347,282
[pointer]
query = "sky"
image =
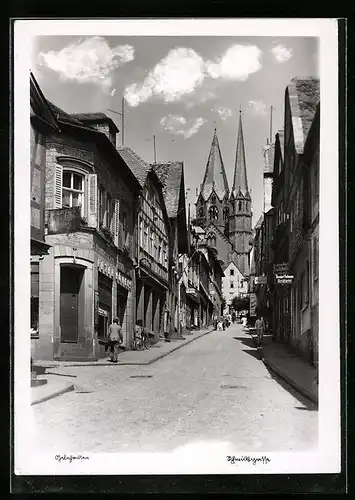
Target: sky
x,y
179,89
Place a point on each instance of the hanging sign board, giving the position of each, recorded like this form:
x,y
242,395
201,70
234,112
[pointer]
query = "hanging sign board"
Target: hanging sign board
x,y
252,304
284,279
280,268
260,280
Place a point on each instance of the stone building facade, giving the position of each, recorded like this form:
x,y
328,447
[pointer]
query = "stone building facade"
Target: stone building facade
x,y
90,200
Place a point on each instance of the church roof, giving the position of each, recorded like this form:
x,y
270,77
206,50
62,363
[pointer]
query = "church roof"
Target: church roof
x,y
215,175
171,177
303,95
240,181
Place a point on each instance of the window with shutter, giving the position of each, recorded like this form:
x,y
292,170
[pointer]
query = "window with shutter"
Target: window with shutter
x,y
92,200
58,186
117,222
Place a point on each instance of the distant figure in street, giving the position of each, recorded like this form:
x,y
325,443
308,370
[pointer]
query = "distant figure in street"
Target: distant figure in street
x,y
115,338
244,321
260,329
234,317
215,321
220,324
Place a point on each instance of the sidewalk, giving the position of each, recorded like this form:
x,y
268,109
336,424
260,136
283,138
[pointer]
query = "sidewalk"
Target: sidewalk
x,y
288,366
157,351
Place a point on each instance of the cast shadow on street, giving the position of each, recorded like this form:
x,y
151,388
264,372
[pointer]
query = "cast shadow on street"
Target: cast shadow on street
x,y
253,352
308,405
248,341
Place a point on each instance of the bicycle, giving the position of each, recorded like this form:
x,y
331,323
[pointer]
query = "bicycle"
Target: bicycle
x,y
140,342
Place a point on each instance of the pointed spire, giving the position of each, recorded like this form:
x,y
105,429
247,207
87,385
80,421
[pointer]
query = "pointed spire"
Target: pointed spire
x,y
215,175
240,181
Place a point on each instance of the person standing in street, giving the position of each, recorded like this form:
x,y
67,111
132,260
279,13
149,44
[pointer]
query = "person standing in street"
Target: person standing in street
x,y
260,328
115,339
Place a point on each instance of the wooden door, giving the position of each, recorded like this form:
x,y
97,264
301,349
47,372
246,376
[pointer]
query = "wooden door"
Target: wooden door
x,y
69,294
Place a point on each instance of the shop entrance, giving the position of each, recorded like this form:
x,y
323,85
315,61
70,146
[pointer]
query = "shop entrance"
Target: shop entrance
x,y
70,282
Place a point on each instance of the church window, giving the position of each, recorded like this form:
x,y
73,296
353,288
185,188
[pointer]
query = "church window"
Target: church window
x,y
213,199
200,212
213,213
225,213
240,206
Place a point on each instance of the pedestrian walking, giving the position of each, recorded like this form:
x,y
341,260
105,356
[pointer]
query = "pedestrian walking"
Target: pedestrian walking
x,y
115,339
220,324
260,329
234,317
244,321
215,321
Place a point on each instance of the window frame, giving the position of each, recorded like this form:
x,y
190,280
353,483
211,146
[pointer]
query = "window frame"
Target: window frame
x,y
71,190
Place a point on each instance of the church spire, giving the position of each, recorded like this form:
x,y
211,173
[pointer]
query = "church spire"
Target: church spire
x,y
240,181
215,175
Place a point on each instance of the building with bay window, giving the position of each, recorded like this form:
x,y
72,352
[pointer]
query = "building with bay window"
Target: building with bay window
x,y
153,248
90,200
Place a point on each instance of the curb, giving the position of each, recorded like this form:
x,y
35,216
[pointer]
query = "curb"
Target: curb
x,y
290,381
285,377
134,363
55,394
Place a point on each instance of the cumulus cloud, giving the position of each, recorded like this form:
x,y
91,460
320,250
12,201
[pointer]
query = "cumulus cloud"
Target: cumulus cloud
x,y
206,96
237,63
183,70
178,125
224,113
281,53
89,60
177,74
257,107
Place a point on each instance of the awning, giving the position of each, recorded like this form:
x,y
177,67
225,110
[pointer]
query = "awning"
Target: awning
x,y
193,295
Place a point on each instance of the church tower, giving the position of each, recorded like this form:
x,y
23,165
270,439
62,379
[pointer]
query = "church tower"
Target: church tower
x,y
240,219
213,200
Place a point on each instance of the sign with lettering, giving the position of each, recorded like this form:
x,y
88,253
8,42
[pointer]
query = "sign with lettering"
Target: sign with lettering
x,y
284,279
260,280
252,304
280,268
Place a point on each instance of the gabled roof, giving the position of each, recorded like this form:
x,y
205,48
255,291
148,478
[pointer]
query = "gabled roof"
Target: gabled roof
x,y
303,95
171,177
40,105
215,178
236,265
136,164
215,228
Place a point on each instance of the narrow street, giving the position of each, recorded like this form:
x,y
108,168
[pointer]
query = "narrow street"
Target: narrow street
x,y
214,389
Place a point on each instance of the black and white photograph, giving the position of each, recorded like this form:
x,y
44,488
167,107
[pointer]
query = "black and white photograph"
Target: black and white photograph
x,y
176,280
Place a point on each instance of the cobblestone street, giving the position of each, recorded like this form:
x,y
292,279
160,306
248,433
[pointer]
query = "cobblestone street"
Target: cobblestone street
x,y
214,389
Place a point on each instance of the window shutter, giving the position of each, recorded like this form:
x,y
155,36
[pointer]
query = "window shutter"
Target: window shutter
x,y
116,228
92,200
58,185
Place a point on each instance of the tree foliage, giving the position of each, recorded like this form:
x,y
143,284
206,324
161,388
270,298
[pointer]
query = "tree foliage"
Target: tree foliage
x,y
240,303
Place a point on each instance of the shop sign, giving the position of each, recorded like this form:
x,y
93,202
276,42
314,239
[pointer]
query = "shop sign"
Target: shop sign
x,y
284,279
103,312
260,280
252,304
280,268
